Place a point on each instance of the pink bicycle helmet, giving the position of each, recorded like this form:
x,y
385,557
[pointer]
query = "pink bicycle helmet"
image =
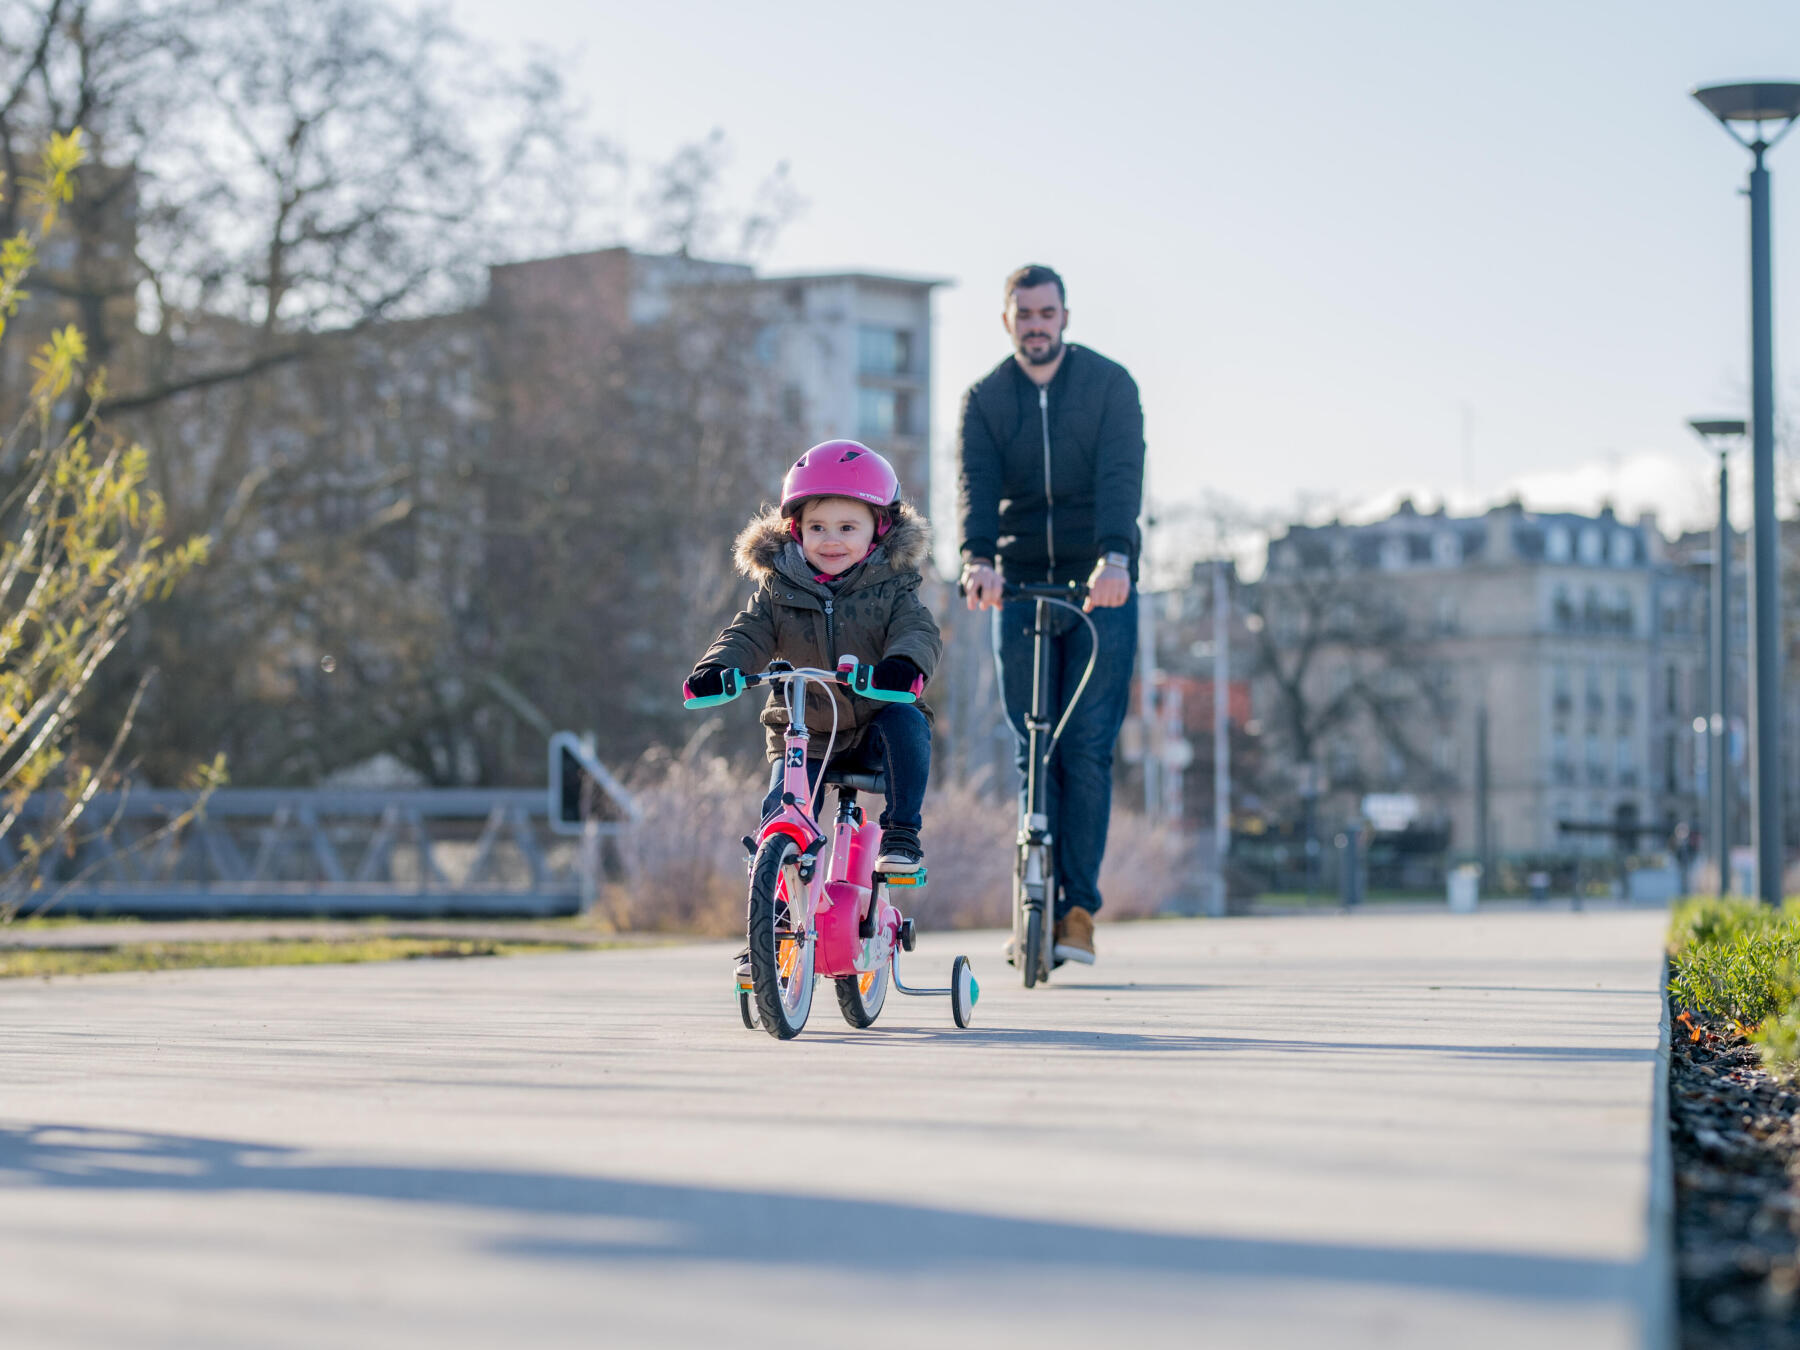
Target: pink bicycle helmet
x,y
843,469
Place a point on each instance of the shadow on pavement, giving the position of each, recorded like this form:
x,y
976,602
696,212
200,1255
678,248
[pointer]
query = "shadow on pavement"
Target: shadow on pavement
x,y
1134,1042
666,1222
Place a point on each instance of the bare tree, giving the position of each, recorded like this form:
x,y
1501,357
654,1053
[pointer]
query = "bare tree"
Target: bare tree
x,y
1341,662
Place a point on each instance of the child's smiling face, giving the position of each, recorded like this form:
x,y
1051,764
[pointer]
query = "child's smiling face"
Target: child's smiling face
x,y
835,533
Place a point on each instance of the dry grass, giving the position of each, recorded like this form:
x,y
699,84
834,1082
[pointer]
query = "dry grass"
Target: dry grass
x,y
19,963
687,874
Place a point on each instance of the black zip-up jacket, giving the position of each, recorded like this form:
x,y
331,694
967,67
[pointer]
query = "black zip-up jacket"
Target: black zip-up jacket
x,y
1053,477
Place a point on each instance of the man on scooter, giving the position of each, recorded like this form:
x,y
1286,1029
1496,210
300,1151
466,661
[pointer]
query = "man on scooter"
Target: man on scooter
x,y
1051,482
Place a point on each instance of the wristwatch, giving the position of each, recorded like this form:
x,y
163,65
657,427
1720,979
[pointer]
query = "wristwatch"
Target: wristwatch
x,y
1120,560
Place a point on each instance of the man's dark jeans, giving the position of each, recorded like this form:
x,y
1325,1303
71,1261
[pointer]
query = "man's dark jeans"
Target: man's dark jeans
x,y
898,745
1079,791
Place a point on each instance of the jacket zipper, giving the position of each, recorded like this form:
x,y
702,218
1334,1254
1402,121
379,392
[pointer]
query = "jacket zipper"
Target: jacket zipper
x,y
1049,495
831,651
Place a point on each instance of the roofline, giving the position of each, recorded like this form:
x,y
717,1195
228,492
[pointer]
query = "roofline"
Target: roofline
x,y
889,278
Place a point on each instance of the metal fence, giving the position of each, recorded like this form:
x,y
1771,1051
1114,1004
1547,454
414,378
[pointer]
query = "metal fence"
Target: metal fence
x,y
270,851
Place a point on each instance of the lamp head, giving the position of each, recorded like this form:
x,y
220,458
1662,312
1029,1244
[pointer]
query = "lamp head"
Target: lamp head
x,y
1708,428
1763,101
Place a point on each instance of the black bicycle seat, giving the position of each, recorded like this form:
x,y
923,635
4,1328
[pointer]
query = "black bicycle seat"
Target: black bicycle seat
x,y
857,782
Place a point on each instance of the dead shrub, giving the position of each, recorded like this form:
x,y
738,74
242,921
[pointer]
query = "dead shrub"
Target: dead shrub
x,y
684,866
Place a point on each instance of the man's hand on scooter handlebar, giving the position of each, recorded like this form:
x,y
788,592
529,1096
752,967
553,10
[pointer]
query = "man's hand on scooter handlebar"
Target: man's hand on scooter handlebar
x,y
1108,587
980,584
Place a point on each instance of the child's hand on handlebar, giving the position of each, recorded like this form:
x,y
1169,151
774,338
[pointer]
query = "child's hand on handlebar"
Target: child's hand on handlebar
x,y
896,673
706,682
709,686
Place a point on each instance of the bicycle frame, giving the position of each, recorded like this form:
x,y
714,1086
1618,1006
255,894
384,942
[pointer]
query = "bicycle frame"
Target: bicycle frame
x,y
835,906
835,922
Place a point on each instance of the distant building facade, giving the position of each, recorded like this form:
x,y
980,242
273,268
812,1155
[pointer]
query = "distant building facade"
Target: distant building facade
x,y
1519,673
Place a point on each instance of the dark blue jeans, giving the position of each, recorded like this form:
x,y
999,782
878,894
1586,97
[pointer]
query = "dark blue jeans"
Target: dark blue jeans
x,y
1078,793
898,744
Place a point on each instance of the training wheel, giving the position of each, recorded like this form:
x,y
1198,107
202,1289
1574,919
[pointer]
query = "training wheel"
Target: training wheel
x,y
747,1009
963,992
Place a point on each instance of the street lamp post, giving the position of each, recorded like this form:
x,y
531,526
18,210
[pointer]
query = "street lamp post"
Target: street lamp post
x,y
1757,104
1720,433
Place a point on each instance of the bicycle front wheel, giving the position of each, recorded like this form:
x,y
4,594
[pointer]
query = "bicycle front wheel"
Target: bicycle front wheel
x,y
781,959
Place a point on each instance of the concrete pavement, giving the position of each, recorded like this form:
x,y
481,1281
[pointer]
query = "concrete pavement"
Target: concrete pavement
x,y
1376,1130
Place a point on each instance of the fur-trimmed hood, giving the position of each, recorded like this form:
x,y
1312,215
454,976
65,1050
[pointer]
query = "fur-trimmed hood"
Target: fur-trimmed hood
x,y
764,544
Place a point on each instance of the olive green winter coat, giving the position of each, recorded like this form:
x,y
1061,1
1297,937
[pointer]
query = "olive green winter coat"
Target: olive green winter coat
x,y
875,612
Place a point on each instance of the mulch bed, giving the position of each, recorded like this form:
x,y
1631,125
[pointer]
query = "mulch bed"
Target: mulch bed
x,y
1736,1136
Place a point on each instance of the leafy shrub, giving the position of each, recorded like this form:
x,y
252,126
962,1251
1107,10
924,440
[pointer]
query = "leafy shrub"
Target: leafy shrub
x,y
1738,961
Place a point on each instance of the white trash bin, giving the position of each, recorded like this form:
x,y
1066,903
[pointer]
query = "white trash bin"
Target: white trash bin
x,y
1465,888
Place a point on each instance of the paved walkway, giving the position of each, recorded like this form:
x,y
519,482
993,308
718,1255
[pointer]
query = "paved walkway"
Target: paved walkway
x,y
1366,1131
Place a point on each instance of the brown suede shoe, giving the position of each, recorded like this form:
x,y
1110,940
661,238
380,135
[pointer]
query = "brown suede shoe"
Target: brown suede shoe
x,y
1075,937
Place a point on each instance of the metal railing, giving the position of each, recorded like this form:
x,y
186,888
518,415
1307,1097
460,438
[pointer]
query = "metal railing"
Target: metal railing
x,y
272,851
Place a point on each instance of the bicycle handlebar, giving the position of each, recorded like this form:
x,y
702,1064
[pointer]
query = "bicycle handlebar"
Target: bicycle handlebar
x,y
854,675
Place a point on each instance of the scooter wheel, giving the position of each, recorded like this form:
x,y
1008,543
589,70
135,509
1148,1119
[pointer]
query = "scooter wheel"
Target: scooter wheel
x,y
963,992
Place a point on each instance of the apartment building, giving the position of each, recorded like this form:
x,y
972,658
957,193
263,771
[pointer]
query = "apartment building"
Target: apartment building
x,y
1530,678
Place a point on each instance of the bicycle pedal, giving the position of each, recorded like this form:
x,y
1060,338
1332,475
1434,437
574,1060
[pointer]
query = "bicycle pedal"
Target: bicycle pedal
x,y
904,878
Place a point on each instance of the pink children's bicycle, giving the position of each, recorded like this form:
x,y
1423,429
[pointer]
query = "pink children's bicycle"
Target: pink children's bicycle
x,y
814,915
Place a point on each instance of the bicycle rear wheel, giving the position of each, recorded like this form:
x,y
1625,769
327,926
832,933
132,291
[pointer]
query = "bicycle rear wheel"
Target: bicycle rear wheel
x,y
781,960
860,997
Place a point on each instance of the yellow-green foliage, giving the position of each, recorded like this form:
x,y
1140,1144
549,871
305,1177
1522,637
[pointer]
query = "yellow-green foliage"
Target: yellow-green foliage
x,y
82,548
1738,961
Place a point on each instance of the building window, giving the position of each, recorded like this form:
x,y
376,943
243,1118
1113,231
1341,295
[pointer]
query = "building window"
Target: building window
x,y
1562,695
1445,615
1596,697
1593,545
884,412
1562,768
884,351
1625,762
1596,762
1562,609
1556,544
1444,549
1624,549
1627,693
1393,553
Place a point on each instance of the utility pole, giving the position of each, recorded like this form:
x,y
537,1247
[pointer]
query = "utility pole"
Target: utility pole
x,y
1221,736
1483,842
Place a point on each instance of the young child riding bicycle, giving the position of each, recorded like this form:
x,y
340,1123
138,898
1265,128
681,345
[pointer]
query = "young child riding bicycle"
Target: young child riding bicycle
x,y
837,573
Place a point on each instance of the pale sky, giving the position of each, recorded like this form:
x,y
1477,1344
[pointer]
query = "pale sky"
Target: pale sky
x,y
1338,244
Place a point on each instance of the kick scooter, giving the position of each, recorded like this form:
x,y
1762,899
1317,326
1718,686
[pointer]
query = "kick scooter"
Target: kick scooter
x,y
1034,865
